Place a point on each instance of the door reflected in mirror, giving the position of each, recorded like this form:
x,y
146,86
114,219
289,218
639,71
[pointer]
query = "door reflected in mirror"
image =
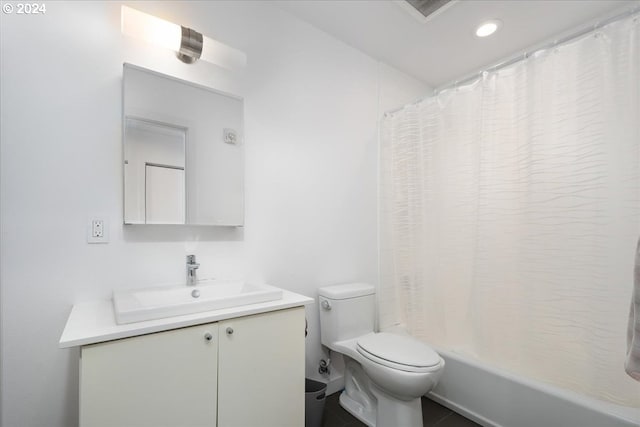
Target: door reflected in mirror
x,y
183,152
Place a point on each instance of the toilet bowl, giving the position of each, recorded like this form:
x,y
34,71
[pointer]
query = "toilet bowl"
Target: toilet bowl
x,y
385,374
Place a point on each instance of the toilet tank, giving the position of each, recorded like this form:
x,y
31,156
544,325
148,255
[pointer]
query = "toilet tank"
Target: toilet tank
x,y
346,311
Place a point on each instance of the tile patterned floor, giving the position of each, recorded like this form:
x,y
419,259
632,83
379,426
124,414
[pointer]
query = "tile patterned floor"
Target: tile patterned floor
x,y
433,415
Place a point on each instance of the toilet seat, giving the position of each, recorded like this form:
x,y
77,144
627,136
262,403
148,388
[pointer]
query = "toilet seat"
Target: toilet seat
x,y
398,352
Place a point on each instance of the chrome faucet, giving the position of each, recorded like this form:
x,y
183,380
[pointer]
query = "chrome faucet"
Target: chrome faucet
x,y
192,266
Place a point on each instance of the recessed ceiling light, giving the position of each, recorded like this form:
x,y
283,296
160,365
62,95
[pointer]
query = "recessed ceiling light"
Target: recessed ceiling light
x,y
487,28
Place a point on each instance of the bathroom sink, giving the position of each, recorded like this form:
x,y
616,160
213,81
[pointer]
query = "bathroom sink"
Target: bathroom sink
x,y
158,303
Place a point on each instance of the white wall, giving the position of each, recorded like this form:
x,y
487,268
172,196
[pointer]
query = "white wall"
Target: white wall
x,y
312,105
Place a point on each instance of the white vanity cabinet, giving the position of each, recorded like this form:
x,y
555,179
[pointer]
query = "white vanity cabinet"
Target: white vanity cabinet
x,y
261,370
240,372
163,379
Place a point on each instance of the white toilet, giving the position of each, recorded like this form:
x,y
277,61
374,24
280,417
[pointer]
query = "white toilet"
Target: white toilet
x,y
385,374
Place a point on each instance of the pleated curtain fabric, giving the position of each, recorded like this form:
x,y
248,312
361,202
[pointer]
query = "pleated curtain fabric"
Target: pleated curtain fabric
x,y
632,364
510,209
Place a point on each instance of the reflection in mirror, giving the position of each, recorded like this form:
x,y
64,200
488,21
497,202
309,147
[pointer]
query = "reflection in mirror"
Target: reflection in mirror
x,y
154,172
183,152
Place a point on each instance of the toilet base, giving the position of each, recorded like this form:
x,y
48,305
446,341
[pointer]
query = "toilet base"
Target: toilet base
x,y
367,416
374,407
392,412
356,397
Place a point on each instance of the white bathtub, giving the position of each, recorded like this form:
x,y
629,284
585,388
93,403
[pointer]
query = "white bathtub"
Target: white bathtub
x,y
497,399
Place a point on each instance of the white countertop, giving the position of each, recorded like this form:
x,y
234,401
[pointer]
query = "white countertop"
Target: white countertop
x,y
94,321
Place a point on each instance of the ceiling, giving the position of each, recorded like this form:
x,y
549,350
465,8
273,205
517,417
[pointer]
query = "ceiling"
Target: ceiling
x,y
444,47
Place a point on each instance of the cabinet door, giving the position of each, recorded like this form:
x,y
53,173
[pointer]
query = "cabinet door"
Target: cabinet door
x,y
162,379
261,370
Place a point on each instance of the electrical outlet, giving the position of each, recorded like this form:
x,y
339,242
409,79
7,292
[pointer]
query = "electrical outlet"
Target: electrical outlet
x,y
97,228
98,231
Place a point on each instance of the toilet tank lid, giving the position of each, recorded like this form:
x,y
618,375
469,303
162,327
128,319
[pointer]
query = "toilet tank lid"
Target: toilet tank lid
x,y
348,290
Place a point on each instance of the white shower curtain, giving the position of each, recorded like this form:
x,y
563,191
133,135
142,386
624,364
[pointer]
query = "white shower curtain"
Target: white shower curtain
x,y
510,211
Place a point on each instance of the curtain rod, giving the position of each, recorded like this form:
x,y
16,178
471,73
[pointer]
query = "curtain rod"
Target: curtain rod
x,y
524,55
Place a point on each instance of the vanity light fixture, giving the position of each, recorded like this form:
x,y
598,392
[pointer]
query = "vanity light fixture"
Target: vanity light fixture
x,y
188,44
487,28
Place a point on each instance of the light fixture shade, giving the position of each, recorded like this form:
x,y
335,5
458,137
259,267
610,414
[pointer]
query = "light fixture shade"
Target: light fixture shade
x,y
180,39
223,55
150,29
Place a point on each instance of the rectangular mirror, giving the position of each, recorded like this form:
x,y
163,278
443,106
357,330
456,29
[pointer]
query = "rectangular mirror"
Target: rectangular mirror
x,y
183,152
